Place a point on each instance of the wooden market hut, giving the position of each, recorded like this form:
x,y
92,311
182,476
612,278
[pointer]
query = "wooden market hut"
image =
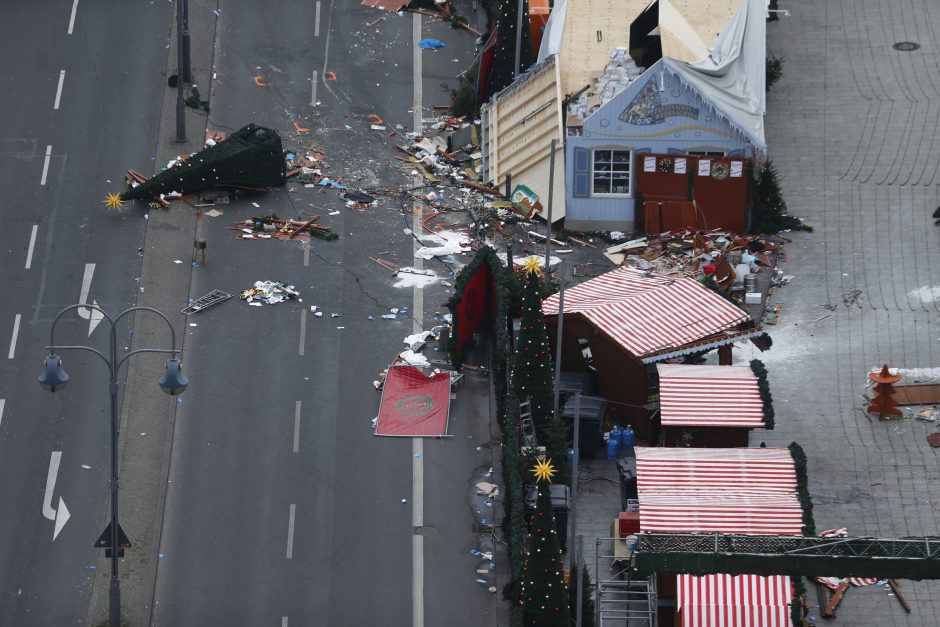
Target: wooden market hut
x,y
709,406
726,490
630,320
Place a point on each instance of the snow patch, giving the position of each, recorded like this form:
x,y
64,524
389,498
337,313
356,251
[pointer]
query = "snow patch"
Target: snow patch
x,y
926,294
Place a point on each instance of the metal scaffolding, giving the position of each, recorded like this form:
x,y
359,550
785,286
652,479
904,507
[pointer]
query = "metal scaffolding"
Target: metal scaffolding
x,y
622,599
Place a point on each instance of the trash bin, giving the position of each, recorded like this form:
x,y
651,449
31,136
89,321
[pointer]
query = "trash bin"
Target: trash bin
x,y
561,503
626,468
592,411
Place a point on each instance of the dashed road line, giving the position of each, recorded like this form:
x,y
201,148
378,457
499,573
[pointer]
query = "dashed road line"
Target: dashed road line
x,y
303,332
316,20
297,427
3,403
45,165
16,330
32,247
290,531
72,18
58,91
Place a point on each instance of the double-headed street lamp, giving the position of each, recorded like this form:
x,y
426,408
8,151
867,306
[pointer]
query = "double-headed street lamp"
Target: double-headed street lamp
x,y
173,382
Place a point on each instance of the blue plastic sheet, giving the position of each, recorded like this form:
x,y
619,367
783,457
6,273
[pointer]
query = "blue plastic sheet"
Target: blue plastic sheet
x,y
431,44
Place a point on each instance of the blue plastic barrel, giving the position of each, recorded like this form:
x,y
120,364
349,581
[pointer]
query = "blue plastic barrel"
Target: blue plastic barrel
x,y
615,434
627,438
612,449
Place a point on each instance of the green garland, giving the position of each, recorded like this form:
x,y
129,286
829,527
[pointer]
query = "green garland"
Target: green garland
x,y
514,521
799,462
757,367
796,606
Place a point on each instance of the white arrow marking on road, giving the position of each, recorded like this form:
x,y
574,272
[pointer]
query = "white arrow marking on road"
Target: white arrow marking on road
x,y
92,315
60,515
47,510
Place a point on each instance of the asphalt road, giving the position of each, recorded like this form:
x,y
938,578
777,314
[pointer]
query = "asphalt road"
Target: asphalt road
x,y
282,507
83,90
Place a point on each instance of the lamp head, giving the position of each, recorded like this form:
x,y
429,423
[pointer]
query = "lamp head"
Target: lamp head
x,y
174,382
54,378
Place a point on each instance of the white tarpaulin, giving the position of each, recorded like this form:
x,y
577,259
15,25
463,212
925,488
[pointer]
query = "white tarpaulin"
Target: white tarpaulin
x,y
733,75
554,29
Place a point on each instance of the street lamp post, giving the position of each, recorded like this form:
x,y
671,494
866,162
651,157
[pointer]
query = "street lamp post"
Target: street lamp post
x,y
173,382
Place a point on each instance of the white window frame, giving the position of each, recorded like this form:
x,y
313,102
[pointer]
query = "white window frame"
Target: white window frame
x,y
711,154
629,172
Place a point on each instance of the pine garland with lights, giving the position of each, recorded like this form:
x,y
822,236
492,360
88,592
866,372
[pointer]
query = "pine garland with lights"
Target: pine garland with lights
x,y
514,503
532,370
544,597
802,489
757,367
504,57
532,374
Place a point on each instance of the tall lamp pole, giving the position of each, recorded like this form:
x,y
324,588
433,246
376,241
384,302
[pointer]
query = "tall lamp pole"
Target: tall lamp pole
x,y
185,71
173,382
180,103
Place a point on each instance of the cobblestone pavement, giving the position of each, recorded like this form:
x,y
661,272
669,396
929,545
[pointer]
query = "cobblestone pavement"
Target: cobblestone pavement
x,y
853,129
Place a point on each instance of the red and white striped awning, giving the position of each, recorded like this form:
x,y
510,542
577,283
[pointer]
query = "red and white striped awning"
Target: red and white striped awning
x,y
724,512
709,396
715,470
649,313
734,601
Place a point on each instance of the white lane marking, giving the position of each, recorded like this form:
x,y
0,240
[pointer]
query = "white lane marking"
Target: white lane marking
x,y
32,247
58,91
290,531
313,103
3,403
72,19
93,316
307,249
303,331
297,427
45,165
417,540
316,21
416,58
16,330
283,621
47,510
417,444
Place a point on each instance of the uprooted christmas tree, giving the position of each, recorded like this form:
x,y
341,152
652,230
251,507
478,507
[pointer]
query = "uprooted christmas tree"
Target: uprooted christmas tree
x,y
544,597
250,158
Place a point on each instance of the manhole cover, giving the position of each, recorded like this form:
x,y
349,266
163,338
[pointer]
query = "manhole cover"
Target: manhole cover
x,y
906,46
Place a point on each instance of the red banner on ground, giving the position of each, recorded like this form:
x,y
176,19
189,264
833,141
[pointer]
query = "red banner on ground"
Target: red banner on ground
x,y
414,404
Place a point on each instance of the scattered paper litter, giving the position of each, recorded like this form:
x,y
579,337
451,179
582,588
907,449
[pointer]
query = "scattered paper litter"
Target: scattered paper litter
x,y
414,359
177,261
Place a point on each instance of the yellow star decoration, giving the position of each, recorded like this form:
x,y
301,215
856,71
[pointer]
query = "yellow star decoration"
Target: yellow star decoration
x,y
113,201
543,470
532,265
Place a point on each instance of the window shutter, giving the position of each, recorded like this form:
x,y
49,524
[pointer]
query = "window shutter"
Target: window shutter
x,y
581,187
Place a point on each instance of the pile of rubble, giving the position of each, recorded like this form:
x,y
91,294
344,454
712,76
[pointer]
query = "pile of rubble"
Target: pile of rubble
x,y
269,293
272,227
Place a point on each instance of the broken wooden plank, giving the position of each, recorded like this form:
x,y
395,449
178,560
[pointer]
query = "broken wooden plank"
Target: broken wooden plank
x,y
896,589
830,610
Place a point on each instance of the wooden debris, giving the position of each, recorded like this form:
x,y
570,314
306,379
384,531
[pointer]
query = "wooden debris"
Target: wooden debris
x,y
388,265
830,609
375,21
896,589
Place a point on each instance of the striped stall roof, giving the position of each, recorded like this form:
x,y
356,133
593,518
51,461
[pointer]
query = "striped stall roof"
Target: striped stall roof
x,y
647,313
734,601
724,513
709,396
715,470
